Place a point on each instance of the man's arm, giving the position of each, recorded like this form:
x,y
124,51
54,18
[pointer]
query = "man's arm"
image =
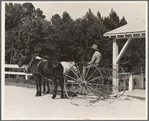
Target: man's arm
x,y
93,59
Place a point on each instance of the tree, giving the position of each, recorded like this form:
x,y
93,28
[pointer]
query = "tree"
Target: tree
x,y
123,21
23,30
56,20
98,15
38,13
12,15
63,38
28,8
66,17
134,56
112,21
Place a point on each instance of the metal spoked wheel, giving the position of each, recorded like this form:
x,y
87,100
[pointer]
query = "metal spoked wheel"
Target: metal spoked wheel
x,y
84,84
115,81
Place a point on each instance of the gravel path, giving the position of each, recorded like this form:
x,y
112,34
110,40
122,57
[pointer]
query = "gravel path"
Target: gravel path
x,y
21,104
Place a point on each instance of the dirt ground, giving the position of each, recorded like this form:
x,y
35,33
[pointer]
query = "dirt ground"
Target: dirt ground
x,y
19,103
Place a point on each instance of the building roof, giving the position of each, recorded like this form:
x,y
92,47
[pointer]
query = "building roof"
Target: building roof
x,y
137,28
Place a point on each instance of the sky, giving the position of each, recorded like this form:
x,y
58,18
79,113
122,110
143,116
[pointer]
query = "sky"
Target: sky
x,y
132,10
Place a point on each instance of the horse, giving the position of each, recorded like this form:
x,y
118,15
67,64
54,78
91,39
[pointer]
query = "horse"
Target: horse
x,y
49,69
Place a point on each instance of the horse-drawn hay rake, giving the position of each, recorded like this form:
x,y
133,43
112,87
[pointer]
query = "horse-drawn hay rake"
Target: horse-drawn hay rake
x,y
82,87
96,84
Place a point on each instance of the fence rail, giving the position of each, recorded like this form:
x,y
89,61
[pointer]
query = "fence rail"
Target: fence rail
x,y
15,73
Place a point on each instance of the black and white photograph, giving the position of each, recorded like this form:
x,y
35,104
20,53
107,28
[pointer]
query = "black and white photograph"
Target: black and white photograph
x,y
74,60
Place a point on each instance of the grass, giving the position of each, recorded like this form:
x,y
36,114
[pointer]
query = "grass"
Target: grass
x,y
30,83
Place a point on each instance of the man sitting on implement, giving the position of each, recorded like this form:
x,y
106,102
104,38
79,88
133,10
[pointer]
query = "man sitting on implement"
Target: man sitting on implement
x,y
96,58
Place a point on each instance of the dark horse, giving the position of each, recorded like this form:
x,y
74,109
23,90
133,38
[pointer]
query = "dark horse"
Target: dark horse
x,y
50,69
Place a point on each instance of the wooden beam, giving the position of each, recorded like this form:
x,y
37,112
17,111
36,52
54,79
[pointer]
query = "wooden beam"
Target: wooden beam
x,y
131,37
12,66
123,50
17,73
115,67
115,51
125,34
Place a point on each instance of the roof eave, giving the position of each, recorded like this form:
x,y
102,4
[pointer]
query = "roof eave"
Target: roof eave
x,y
126,35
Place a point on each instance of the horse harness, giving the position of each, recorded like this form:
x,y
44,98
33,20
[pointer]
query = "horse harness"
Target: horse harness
x,y
37,68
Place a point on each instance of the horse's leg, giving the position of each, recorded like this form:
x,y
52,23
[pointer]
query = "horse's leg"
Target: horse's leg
x,y
55,89
38,89
44,84
36,82
62,87
47,82
39,85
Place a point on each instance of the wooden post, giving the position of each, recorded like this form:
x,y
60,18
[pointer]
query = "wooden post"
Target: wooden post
x,y
130,83
142,79
115,68
123,50
26,76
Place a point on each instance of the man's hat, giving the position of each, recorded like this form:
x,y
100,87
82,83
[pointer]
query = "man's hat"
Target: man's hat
x,y
94,46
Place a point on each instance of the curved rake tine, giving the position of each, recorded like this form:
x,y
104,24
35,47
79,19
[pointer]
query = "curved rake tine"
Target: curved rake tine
x,y
94,98
90,92
95,90
75,92
108,71
86,93
80,90
92,74
83,90
73,87
88,98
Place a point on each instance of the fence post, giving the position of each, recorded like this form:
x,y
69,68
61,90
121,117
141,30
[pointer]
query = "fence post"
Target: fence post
x,y
130,83
14,72
26,76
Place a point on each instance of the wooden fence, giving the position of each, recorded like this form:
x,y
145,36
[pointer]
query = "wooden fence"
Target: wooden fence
x,y
131,84
15,73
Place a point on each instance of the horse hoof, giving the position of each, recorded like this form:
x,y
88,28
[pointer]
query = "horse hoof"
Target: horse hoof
x,y
53,97
62,97
44,92
37,95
